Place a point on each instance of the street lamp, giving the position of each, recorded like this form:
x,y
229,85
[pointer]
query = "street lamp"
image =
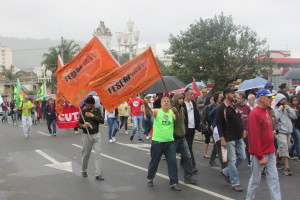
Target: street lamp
x,y
129,39
44,75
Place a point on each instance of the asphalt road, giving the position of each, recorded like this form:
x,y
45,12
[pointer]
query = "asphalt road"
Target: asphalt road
x,y
47,167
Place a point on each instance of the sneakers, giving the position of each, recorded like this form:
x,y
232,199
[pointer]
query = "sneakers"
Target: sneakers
x,y
147,138
150,183
195,170
54,134
227,178
279,166
100,178
110,141
213,164
126,132
140,141
287,172
191,181
131,138
175,187
26,136
76,132
84,174
113,139
237,188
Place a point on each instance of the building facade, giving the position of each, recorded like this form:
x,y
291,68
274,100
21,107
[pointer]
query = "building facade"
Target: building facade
x,y
5,56
104,35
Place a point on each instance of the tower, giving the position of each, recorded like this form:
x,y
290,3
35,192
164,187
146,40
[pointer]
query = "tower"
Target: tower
x,y
104,35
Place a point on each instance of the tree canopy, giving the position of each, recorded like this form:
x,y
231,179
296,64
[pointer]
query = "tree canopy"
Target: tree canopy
x,y
218,49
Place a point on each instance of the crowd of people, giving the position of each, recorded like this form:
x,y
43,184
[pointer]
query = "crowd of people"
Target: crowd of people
x,y
261,126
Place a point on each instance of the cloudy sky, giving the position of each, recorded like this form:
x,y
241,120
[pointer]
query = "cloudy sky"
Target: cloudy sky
x,y
275,20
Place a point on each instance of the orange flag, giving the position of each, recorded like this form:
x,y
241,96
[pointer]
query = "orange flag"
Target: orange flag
x,y
59,95
127,81
91,63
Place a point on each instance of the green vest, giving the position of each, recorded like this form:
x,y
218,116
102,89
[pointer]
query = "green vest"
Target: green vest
x,y
163,127
26,105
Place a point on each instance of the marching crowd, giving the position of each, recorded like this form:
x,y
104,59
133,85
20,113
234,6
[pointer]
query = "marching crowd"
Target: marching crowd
x,y
261,126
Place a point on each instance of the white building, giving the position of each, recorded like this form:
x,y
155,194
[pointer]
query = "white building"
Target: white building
x,y
104,35
5,56
142,49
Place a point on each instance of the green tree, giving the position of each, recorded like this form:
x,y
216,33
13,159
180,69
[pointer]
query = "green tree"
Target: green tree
x,y
220,50
11,75
70,49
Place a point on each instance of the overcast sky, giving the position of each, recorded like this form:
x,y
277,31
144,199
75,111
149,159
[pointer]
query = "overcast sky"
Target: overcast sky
x,y
275,20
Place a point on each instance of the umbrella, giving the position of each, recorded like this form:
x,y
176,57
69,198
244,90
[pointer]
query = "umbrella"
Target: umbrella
x,y
52,96
200,85
179,91
293,74
252,83
171,82
38,96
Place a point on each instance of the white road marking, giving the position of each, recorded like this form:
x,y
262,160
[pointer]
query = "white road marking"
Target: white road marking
x,y
40,132
136,146
66,166
163,176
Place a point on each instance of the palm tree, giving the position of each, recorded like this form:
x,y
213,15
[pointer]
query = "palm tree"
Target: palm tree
x,y
70,49
11,75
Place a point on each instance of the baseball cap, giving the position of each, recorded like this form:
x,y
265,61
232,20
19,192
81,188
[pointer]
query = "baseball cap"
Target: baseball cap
x,y
264,93
228,90
268,84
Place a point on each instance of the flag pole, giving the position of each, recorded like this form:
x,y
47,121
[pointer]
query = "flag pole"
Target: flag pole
x,y
162,78
84,122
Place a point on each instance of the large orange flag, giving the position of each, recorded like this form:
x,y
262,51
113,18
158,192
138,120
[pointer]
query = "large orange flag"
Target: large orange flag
x,y
59,95
91,63
127,81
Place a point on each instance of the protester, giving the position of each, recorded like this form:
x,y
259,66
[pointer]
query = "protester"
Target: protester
x,y
296,128
26,107
192,121
123,115
14,112
180,141
284,116
113,124
261,147
5,109
269,86
50,113
34,112
39,110
200,103
157,101
163,143
136,109
283,90
148,117
231,130
44,103
89,121
251,101
244,110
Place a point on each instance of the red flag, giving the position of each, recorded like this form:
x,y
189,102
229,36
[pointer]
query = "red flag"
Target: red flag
x,y
127,81
196,89
91,63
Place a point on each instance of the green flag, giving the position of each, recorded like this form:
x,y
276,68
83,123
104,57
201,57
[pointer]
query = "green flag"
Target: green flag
x,y
41,90
18,93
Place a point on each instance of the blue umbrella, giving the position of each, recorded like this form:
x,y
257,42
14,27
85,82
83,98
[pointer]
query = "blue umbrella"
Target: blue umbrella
x,y
252,84
200,85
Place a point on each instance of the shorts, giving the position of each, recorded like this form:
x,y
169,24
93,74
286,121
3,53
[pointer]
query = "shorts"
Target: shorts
x,y
283,147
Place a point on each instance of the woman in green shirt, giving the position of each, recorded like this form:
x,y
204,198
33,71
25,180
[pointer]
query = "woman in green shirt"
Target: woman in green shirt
x,y
163,143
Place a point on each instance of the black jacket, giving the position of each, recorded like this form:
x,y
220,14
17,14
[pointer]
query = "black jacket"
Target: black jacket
x,y
229,122
196,115
47,110
94,121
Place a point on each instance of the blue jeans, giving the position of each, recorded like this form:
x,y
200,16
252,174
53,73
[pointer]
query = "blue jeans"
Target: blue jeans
x,y
15,117
53,122
169,150
5,115
183,148
148,124
296,144
271,175
112,123
235,156
137,125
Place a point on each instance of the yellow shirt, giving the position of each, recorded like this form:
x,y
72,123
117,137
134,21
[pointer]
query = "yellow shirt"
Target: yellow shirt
x,y
27,105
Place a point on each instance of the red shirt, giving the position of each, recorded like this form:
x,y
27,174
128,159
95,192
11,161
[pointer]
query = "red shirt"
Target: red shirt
x,y
260,133
136,105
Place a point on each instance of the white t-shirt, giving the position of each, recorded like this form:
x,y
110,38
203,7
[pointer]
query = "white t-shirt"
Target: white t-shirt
x,y
190,111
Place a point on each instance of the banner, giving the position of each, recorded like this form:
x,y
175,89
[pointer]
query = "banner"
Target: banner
x,y
127,81
68,119
91,63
